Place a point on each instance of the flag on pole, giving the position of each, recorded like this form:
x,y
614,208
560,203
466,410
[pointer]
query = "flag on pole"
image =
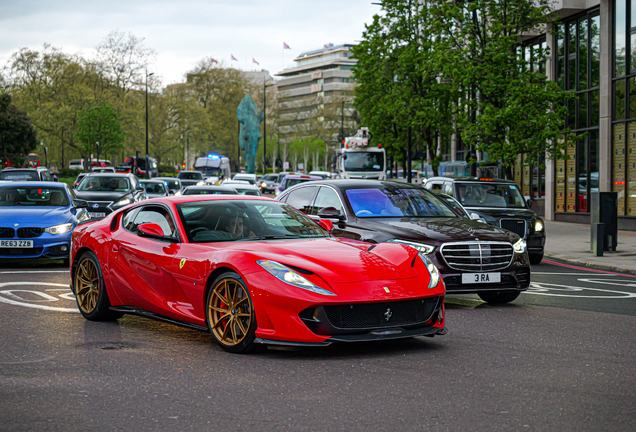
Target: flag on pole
x,y
233,58
254,61
285,46
214,61
329,45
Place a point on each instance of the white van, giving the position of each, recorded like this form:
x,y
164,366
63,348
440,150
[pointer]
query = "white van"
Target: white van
x,y
78,164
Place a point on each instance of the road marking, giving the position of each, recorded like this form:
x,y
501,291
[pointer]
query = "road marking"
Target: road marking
x,y
556,290
572,274
8,296
588,269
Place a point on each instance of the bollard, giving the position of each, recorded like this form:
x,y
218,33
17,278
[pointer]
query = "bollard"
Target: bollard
x,y
598,245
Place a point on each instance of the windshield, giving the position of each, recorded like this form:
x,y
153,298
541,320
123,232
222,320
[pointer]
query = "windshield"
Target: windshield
x,y
270,177
154,188
292,182
104,184
364,161
234,220
394,201
242,191
209,192
16,175
173,184
190,175
33,197
490,195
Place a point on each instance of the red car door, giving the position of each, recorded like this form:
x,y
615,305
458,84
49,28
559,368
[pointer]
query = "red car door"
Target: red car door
x,y
140,267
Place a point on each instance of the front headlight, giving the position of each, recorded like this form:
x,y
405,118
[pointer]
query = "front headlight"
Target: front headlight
x,y
422,247
201,183
520,246
122,202
287,275
538,225
85,216
263,184
432,270
59,229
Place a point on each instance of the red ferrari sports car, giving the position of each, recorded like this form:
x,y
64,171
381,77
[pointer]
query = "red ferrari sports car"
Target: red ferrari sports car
x,y
251,270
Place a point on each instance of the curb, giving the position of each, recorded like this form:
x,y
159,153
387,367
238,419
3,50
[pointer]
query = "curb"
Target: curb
x,y
598,266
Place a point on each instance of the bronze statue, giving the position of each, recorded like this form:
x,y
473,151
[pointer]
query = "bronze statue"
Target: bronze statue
x,y
247,113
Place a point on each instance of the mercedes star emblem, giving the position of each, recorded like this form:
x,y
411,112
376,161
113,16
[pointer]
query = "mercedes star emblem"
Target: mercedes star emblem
x,y
388,314
95,205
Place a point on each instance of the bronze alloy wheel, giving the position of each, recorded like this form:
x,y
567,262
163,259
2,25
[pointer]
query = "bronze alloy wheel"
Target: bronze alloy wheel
x,y
230,312
87,285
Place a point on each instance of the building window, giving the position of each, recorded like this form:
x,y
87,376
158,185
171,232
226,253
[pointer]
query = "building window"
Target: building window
x,y
578,70
624,107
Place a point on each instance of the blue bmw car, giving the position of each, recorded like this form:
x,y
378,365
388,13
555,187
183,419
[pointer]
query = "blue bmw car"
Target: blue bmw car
x,y
37,219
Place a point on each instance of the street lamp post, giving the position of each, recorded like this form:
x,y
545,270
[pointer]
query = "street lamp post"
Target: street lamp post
x,y
147,164
265,124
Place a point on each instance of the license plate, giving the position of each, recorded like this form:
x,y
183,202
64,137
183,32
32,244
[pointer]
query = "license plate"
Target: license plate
x,y
16,243
476,278
98,215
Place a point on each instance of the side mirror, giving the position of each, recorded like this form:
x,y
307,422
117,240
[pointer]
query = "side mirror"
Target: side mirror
x,y
326,224
151,230
529,202
475,216
140,189
330,213
80,204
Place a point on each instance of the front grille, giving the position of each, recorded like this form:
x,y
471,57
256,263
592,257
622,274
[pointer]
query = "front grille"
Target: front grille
x,y
30,232
374,315
22,251
517,226
477,256
7,232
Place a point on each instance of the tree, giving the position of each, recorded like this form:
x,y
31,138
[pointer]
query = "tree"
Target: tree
x,y
439,65
99,130
17,135
505,108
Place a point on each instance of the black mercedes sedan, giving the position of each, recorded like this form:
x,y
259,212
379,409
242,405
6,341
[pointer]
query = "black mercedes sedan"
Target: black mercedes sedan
x,y
473,257
500,203
107,192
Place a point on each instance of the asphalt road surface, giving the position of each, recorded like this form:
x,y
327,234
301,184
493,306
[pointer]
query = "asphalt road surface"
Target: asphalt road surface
x,y
561,357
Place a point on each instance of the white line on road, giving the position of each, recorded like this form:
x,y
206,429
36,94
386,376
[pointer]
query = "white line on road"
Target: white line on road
x,y
574,274
548,289
34,271
45,297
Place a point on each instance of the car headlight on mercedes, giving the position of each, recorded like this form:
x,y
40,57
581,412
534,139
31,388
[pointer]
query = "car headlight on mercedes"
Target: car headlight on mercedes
x,y
432,270
287,275
263,184
520,246
422,247
200,183
59,229
538,225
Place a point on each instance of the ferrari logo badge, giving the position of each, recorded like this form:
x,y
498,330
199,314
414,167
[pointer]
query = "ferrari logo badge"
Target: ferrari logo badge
x,y
388,314
386,289
182,263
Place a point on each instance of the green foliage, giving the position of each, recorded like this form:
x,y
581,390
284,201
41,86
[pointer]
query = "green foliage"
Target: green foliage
x,y
99,131
166,169
17,135
443,65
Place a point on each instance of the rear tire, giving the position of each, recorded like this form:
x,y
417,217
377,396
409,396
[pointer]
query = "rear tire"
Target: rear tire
x,y
498,297
229,313
90,290
536,258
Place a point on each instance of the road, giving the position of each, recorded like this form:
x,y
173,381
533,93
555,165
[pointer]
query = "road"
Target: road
x,y
561,357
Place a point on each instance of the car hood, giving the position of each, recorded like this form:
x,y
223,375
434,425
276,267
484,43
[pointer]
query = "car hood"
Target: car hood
x,y
35,216
100,196
338,260
499,213
438,230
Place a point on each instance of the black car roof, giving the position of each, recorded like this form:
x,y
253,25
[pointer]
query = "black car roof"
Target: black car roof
x,y
472,179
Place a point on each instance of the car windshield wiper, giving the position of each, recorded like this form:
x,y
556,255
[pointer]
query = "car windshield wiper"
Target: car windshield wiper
x,y
270,237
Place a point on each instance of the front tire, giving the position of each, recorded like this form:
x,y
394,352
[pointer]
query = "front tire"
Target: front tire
x,y
230,314
90,290
536,258
498,297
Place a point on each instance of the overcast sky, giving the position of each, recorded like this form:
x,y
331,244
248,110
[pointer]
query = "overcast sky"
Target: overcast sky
x,y
183,32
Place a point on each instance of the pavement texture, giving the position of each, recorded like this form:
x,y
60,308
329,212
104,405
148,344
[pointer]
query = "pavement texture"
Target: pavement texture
x,y
570,242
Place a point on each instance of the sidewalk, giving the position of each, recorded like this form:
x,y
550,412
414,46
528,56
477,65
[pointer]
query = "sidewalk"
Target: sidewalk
x,y
571,243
